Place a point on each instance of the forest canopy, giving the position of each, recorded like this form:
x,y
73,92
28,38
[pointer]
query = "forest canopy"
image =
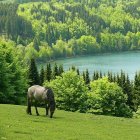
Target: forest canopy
x,y
64,28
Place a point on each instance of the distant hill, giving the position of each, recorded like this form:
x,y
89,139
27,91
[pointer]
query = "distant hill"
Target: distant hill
x,y
73,27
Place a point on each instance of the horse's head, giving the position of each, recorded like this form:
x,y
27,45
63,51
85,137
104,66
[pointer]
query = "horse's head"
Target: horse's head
x,y
50,98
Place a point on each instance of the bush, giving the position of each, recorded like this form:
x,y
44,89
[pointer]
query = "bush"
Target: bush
x,y
70,92
108,98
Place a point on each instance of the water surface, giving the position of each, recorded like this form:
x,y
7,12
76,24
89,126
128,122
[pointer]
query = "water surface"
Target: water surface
x,y
114,62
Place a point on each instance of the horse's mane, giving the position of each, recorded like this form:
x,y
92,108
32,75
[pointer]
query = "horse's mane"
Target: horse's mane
x,y
50,93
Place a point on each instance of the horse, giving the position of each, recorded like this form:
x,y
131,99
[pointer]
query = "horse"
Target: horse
x,y
38,94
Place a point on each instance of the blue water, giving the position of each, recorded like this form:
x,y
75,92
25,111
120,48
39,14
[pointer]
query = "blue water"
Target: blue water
x,y
114,62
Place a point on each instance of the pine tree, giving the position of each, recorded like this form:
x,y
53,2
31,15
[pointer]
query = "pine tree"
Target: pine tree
x,y
101,74
96,75
110,76
84,76
42,75
33,73
36,43
87,79
136,91
129,92
73,68
48,72
61,70
78,72
55,71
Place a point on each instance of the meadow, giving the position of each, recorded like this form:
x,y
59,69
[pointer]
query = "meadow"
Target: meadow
x,y
15,124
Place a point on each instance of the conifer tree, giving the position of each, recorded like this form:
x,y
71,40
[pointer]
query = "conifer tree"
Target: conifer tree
x,y
87,79
129,92
78,72
48,72
36,43
97,75
136,91
33,73
101,74
84,76
55,71
73,68
61,70
42,75
110,76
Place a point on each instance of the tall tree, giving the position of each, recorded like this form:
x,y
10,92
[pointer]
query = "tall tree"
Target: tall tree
x,y
61,70
13,78
33,73
55,71
48,72
87,78
136,91
42,75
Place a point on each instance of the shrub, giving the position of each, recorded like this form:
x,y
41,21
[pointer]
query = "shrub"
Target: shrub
x,y
70,92
109,98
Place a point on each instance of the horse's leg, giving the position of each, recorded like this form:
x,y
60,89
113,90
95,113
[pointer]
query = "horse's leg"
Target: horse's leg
x,y
47,109
29,106
51,114
51,110
27,110
36,109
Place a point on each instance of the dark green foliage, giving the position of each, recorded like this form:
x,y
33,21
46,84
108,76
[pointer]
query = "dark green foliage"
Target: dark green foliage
x,y
70,91
33,73
73,68
129,92
73,27
12,25
108,98
61,70
110,76
78,72
13,78
123,81
136,91
55,71
84,76
48,72
87,78
96,75
42,75
36,44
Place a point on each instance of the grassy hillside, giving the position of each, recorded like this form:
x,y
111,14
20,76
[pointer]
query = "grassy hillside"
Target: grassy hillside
x,y
15,124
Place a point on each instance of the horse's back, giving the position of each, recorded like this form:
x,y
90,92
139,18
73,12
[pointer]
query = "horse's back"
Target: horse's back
x,y
36,92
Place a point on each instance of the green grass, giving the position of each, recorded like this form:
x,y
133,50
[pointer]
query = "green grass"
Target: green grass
x,y
15,124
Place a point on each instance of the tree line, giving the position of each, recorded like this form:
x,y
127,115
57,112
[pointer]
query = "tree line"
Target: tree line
x,y
50,74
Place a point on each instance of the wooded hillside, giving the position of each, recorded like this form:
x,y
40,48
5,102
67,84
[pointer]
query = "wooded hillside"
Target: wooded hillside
x,y
61,28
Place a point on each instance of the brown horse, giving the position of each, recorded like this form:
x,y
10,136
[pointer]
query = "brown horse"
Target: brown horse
x,y
38,94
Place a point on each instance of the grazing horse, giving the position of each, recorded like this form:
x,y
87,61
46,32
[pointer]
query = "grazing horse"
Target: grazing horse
x,y
38,94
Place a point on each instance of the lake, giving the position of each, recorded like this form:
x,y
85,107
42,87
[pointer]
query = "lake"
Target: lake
x,y
114,62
